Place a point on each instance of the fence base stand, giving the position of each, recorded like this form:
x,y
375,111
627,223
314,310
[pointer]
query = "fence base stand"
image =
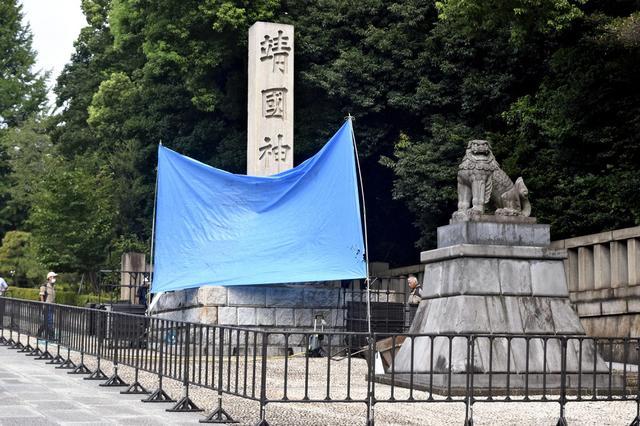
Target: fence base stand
x,y
67,365
36,352
3,341
27,348
562,421
97,375
636,421
114,381
159,395
56,360
135,389
218,416
45,355
263,422
17,346
185,405
80,369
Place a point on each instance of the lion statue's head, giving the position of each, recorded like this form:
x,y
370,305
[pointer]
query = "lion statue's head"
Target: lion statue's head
x,y
479,149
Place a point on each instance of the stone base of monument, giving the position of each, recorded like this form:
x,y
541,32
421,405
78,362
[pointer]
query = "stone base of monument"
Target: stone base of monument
x,y
501,284
292,308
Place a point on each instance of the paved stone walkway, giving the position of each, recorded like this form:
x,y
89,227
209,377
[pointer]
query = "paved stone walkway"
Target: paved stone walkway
x,y
34,393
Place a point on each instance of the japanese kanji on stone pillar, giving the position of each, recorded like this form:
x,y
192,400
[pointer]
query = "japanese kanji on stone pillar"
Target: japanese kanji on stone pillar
x,y
270,107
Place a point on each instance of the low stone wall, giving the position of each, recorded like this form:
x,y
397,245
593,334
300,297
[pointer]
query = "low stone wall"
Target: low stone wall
x,y
603,275
293,308
277,306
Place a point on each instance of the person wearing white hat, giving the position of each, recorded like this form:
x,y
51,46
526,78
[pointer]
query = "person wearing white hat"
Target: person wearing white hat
x,y
48,295
47,290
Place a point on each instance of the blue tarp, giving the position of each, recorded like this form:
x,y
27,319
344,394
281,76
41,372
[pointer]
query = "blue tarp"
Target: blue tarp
x,y
217,228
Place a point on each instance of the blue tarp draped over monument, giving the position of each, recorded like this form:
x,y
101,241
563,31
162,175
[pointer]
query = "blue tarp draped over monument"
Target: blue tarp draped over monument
x,y
218,228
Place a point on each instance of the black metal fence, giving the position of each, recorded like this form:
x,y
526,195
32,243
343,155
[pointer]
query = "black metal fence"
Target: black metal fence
x,y
391,309
235,361
123,286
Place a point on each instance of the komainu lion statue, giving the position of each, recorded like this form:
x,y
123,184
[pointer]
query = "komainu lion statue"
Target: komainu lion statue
x,y
480,181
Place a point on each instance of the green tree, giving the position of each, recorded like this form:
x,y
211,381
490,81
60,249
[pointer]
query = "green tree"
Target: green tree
x,y
23,91
546,81
27,149
18,260
72,216
22,95
577,135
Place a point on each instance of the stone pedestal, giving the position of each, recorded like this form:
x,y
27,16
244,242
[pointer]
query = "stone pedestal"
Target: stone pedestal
x,y
495,281
132,266
276,308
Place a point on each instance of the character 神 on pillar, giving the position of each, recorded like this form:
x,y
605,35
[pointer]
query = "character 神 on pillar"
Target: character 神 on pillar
x,y
481,181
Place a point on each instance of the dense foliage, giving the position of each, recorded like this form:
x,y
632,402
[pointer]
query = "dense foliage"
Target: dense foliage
x,y
551,83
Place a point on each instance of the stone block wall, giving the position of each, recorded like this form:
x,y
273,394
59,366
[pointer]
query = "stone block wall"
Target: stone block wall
x,y
603,276
287,308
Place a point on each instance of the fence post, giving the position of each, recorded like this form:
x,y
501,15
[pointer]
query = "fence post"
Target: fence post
x,y
33,314
468,400
636,420
82,329
159,395
186,404
98,374
219,415
53,324
26,317
562,421
66,325
370,379
15,324
3,340
263,382
139,331
44,310
114,334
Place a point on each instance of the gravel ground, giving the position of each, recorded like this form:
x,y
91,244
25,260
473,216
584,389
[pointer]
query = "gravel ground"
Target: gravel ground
x,y
321,413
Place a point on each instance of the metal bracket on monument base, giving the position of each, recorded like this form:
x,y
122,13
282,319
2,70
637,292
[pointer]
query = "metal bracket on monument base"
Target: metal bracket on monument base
x,y
185,405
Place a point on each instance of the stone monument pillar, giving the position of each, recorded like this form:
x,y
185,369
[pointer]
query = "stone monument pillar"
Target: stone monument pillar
x,y
270,107
292,306
494,275
132,265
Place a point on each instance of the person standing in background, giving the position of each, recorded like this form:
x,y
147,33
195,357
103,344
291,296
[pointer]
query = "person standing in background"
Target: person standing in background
x,y
48,296
143,290
415,288
47,290
3,286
